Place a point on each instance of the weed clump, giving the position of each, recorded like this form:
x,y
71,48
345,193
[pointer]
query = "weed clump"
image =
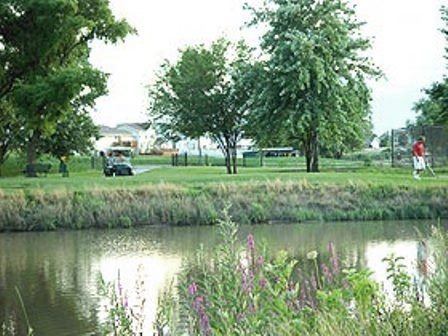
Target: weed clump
x,y
243,289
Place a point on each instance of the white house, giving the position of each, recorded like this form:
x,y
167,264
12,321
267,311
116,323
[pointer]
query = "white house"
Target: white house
x,y
144,135
139,136
208,146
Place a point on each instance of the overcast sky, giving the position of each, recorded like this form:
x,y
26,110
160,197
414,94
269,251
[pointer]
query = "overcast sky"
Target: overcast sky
x,y
407,46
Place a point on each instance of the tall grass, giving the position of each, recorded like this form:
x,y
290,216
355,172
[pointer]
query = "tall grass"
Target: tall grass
x,y
242,289
251,203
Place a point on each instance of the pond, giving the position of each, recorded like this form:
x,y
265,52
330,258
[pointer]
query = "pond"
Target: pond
x,y
57,273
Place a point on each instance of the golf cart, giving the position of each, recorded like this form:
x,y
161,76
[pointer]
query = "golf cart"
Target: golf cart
x,y
118,162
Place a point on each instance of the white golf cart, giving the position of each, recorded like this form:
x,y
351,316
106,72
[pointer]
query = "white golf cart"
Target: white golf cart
x,y
118,162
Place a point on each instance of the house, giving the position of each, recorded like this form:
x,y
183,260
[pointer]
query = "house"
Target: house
x,y
139,136
207,146
144,135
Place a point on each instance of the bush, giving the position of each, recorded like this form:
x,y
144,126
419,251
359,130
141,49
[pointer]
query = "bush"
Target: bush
x,y
245,290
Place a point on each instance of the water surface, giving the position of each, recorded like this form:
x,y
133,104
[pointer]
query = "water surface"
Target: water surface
x,y
57,272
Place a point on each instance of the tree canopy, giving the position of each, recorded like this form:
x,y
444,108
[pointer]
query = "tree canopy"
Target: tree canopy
x,y
312,87
44,68
433,109
205,93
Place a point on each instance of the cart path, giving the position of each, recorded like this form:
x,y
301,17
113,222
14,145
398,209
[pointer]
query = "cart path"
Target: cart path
x,y
140,169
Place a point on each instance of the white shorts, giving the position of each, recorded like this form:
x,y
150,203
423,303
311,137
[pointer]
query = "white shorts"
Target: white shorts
x,y
419,163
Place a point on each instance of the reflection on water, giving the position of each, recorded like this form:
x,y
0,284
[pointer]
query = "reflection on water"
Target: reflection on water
x,y
57,273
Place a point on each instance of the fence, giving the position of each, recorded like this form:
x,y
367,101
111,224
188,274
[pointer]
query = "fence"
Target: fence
x,y
206,160
436,145
263,160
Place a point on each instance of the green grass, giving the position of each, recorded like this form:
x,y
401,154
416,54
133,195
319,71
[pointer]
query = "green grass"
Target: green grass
x,y
198,176
193,195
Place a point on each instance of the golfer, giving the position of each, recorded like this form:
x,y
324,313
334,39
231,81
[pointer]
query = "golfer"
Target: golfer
x,y
418,155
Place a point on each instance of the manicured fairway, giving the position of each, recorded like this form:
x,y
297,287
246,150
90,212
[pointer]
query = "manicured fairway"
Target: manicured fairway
x,y
198,176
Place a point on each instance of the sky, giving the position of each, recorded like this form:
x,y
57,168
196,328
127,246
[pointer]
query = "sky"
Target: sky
x,y
406,44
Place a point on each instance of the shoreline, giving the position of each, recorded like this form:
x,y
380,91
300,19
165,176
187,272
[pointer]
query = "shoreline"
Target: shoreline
x,y
248,203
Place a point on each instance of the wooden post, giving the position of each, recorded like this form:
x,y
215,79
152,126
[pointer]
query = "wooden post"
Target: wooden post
x,y
206,159
261,158
186,159
392,146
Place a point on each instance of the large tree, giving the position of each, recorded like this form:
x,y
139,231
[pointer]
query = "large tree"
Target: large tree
x,y
72,135
433,109
205,92
44,63
312,87
11,130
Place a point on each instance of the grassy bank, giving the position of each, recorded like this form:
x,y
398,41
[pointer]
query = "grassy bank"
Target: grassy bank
x,y
199,204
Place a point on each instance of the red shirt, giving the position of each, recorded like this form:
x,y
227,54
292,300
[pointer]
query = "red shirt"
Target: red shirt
x,y
418,149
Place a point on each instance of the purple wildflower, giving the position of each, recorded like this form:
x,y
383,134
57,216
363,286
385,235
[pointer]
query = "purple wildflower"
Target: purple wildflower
x,y
263,283
250,243
126,301
247,280
327,274
193,288
198,302
252,308
241,316
204,322
260,261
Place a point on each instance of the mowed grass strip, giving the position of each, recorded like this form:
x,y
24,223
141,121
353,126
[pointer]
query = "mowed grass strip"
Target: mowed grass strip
x,y
199,176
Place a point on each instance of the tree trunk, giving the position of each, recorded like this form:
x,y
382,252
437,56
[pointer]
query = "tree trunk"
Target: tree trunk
x,y
308,157
228,156
234,159
314,141
3,156
315,151
32,154
308,153
200,150
228,161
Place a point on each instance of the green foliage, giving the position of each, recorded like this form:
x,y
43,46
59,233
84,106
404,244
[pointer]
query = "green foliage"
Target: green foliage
x,y
401,281
82,203
245,290
204,92
433,109
72,135
385,140
11,130
119,320
44,67
312,89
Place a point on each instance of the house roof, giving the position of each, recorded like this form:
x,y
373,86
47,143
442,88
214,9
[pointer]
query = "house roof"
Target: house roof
x,y
113,130
135,126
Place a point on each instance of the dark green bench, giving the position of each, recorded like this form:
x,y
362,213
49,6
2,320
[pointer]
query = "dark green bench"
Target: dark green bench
x,y
37,169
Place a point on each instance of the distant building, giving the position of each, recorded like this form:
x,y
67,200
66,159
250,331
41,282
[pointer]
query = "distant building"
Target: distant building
x,y
375,143
208,146
138,136
143,139
144,135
